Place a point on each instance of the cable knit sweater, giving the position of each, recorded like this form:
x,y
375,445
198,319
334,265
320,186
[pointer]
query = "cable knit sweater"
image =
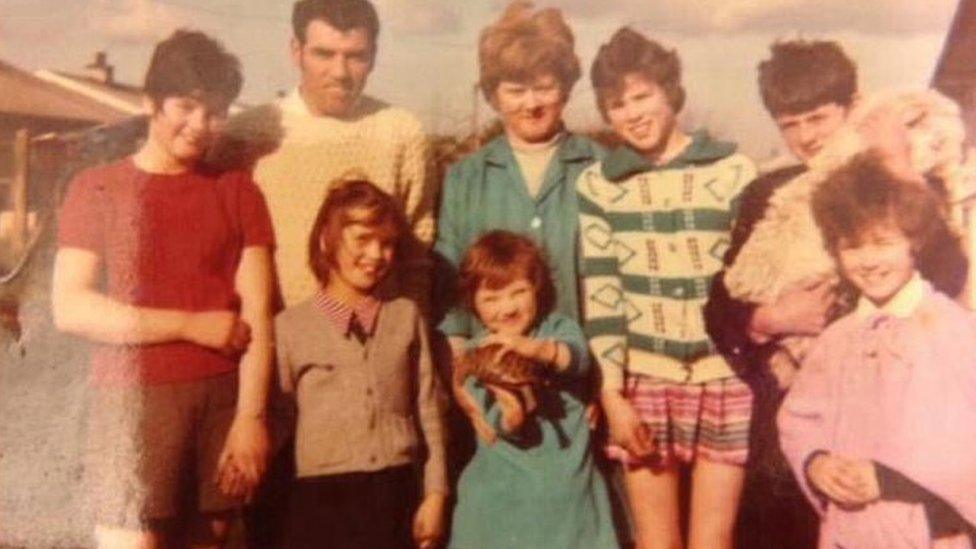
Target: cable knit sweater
x,y
296,155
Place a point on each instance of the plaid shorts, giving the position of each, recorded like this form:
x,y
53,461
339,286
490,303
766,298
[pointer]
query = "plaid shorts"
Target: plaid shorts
x,y
689,421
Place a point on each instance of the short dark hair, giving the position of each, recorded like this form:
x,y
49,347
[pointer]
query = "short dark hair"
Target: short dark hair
x,y
865,193
344,15
802,75
334,215
628,52
499,258
190,63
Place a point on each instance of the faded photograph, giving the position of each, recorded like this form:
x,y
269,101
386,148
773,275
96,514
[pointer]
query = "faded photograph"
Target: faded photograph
x,y
493,274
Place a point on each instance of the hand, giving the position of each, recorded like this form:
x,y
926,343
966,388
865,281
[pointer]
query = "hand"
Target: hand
x,y
868,488
244,459
527,347
220,330
840,480
513,414
428,521
802,310
626,428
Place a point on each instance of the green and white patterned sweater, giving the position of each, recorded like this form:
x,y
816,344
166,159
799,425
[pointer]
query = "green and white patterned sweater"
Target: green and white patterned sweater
x,y
652,239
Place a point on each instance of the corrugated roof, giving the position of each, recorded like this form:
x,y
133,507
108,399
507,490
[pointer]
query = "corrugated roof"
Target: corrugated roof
x,y
24,94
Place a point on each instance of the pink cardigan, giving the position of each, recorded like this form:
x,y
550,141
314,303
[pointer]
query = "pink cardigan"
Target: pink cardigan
x,y
899,390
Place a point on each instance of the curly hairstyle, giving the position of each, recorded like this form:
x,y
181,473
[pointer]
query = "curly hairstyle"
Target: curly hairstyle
x,y
802,75
523,45
499,258
337,212
864,194
630,52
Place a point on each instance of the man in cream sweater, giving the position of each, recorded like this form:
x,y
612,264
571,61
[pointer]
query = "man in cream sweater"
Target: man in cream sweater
x,y
326,130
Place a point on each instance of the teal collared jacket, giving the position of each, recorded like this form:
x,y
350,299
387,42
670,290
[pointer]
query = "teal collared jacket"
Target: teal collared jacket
x,y
486,191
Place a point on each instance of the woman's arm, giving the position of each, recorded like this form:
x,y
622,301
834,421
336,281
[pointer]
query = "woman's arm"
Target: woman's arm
x,y
449,248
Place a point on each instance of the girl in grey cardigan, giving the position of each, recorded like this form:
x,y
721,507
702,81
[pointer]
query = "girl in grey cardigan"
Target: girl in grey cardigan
x,y
370,407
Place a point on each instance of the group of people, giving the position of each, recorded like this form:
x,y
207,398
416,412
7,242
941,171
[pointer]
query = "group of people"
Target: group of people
x,y
302,253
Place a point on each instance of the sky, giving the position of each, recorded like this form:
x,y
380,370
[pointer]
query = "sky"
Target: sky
x,y
427,48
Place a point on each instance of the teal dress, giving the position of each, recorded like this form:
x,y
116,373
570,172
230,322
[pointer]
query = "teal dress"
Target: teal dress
x,y
486,191
538,487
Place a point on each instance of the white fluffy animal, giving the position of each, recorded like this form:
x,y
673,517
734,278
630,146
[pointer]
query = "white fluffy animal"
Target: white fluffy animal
x,y
786,249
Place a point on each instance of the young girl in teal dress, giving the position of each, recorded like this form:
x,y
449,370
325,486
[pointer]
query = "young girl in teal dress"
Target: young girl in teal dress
x,y
535,485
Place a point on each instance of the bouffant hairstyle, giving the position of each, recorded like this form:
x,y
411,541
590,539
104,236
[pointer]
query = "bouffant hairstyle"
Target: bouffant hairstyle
x,y
343,15
351,201
499,258
525,44
803,75
190,63
865,194
630,52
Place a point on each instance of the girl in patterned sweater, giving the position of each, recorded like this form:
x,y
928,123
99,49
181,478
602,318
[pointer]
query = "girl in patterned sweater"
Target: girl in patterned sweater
x,y
654,222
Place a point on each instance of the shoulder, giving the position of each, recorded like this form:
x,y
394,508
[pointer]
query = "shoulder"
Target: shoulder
x,y
254,122
398,120
758,192
114,175
592,178
583,148
471,167
234,180
940,314
557,322
737,165
296,315
404,309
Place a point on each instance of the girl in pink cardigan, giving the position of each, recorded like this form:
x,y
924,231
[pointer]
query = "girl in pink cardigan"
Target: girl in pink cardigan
x,y
880,423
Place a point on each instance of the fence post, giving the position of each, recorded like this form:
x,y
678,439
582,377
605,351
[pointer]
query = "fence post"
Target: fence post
x,y
18,189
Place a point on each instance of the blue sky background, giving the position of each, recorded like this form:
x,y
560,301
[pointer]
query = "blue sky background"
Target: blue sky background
x,y
427,58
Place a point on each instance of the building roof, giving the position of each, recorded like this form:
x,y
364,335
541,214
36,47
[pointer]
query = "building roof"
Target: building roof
x,y
955,74
27,95
122,97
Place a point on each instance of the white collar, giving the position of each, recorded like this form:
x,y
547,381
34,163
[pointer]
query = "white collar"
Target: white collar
x,y
294,103
902,304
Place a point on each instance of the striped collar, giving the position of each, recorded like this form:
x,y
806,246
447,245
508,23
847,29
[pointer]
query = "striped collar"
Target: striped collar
x,y
341,315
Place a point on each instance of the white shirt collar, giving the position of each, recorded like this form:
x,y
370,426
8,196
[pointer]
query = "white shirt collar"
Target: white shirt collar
x,y
294,103
902,304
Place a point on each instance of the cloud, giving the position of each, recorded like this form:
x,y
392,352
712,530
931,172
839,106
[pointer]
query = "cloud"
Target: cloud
x,y
135,21
420,16
725,16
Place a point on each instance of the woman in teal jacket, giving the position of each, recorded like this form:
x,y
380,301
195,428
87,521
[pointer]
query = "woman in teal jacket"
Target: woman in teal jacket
x,y
523,180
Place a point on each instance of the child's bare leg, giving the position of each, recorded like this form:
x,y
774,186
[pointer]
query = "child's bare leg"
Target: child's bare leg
x,y
653,498
715,491
107,537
